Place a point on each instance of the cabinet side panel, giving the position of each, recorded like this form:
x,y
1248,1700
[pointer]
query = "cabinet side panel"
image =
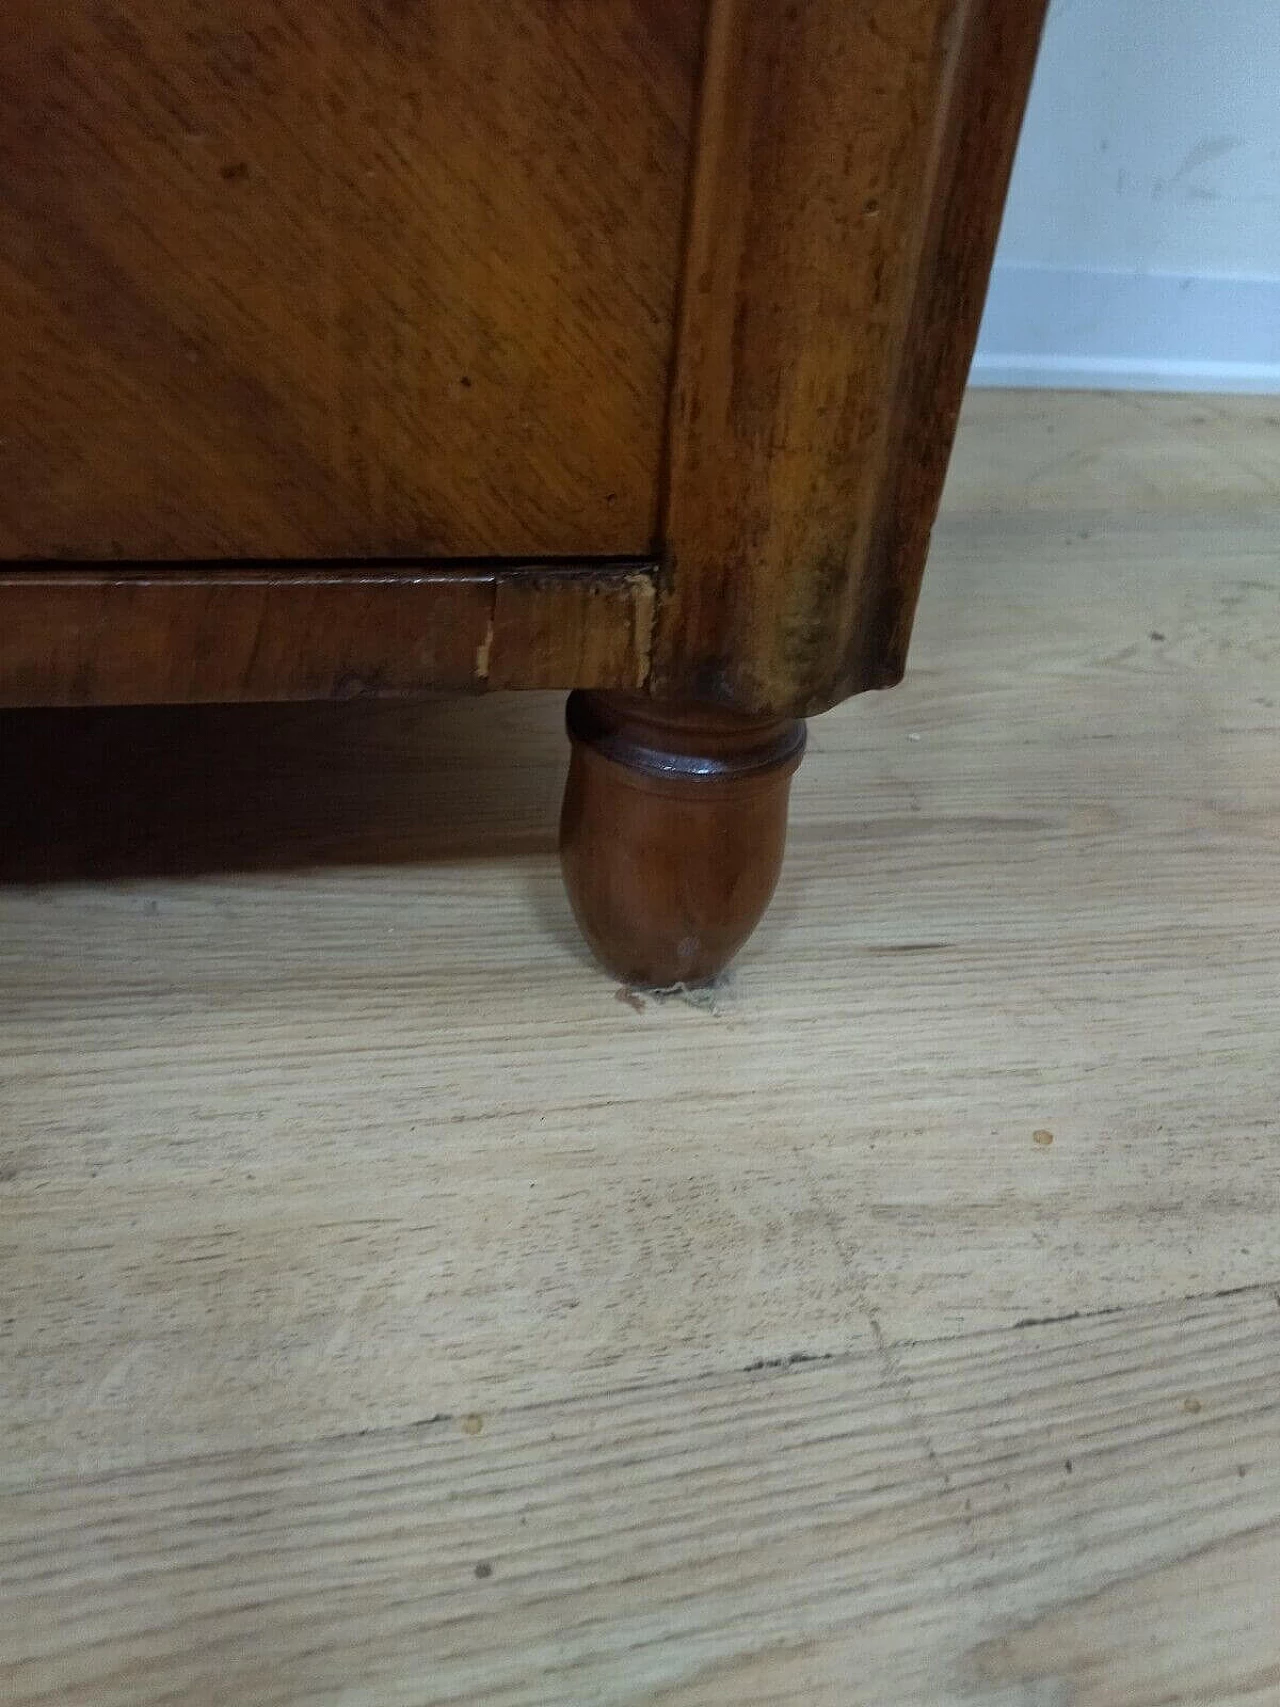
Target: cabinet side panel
x,y
852,164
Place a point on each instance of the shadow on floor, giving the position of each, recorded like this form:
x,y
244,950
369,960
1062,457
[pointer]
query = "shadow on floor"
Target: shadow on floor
x,y
151,791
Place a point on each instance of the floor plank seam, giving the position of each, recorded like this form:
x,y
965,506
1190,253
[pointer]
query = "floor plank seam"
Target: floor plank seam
x,y
779,1365
897,1378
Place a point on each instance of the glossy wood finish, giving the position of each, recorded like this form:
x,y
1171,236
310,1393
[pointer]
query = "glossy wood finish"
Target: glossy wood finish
x,y
851,168
672,832
339,278
147,636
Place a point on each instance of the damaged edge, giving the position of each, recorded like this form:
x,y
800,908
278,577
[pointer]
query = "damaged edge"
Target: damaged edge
x,y
603,637
485,649
644,623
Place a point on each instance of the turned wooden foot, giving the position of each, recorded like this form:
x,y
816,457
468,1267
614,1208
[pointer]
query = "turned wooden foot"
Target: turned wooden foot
x,y
671,839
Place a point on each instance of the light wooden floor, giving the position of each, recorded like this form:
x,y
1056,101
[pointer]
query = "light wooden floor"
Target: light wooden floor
x,y
395,1313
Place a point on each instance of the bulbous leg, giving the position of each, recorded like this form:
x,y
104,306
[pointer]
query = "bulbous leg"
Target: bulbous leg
x,y
671,838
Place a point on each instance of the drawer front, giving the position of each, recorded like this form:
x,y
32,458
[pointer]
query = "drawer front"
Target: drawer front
x,y
338,278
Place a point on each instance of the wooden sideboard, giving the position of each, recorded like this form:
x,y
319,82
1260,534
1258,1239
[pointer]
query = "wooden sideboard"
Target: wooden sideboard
x,y
371,347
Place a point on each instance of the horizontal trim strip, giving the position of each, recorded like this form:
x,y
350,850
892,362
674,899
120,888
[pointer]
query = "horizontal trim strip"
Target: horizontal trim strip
x,y
112,635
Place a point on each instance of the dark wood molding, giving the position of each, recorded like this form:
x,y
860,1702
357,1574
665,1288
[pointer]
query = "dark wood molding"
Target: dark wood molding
x,y
852,163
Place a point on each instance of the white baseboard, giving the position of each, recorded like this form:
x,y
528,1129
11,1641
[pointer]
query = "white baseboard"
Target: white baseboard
x,y
1062,328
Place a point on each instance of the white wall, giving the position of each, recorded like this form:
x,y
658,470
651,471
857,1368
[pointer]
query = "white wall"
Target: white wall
x,y
1141,242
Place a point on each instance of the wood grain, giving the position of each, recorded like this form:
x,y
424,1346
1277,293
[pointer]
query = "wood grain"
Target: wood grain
x,y
305,278
553,629
314,1127
207,634
748,1538
851,170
